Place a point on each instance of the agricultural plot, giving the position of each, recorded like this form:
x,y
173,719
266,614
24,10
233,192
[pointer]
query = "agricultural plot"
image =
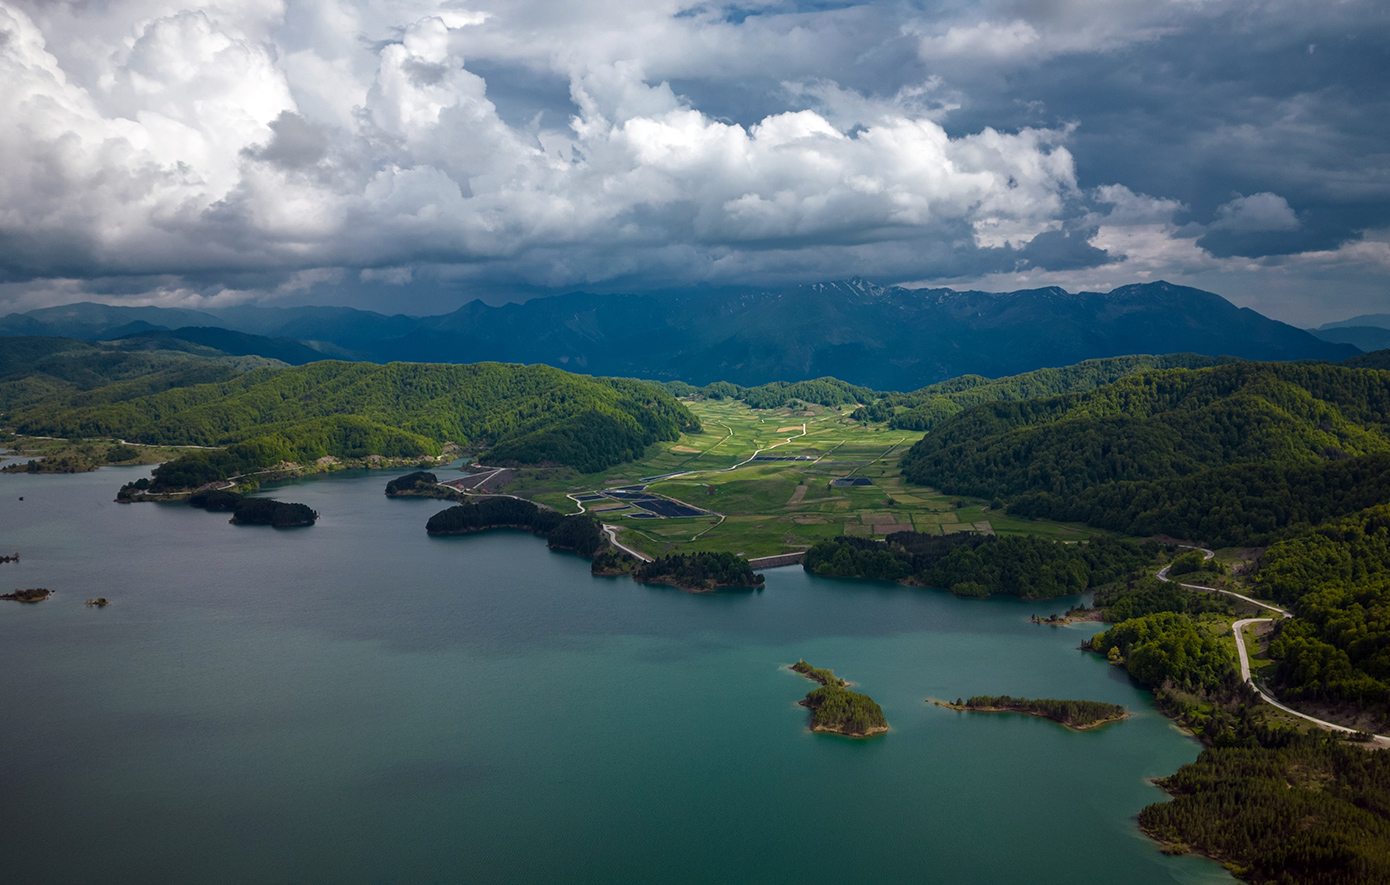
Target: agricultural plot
x,y
763,482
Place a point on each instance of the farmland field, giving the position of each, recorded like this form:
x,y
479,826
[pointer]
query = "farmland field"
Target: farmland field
x,y
765,507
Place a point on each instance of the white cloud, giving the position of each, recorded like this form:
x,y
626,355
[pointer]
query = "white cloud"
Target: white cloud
x,y
1255,213
189,152
278,146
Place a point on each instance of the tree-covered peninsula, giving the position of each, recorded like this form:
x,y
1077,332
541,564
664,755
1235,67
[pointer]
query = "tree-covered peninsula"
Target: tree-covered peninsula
x,y
1072,714
420,484
693,572
838,710
253,511
580,533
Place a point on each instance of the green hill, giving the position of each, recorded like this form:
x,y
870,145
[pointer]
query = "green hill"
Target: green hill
x,y
530,414
1229,454
63,371
926,408
1336,577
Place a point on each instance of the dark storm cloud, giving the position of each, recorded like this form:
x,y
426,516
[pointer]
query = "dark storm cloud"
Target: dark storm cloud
x,y
340,148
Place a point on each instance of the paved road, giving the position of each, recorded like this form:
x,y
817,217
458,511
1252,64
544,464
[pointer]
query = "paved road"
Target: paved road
x,y
613,536
1238,627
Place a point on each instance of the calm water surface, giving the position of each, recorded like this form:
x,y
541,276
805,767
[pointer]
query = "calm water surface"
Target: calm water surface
x,y
357,702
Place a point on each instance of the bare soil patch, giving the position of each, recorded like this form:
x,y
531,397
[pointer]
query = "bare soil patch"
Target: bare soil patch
x,y
887,528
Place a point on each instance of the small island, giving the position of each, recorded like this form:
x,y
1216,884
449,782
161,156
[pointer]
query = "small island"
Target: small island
x,y
33,594
1078,715
836,709
98,602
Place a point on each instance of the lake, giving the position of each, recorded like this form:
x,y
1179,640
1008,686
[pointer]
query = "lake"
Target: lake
x,y
358,702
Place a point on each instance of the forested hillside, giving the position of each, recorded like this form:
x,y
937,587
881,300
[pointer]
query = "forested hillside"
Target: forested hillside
x,y
926,408
1336,578
66,373
523,413
1230,454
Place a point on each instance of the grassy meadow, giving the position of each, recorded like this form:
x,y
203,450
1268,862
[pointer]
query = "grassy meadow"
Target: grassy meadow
x,y
767,507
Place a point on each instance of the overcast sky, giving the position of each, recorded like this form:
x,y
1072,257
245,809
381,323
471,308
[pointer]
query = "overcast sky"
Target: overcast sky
x,y
410,156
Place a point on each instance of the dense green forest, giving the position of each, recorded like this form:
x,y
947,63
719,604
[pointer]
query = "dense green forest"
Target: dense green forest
x,y
216,500
1167,647
411,482
1314,811
253,511
421,484
1143,594
837,709
928,407
972,565
279,514
1194,562
580,533
1336,579
816,674
1076,714
1232,454
925,408
531,414
74,374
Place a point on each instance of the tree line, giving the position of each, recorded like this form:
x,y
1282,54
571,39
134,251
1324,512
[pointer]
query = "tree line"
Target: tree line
x,y
981,565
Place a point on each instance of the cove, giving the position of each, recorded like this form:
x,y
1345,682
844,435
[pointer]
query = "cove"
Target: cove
x,y
358,702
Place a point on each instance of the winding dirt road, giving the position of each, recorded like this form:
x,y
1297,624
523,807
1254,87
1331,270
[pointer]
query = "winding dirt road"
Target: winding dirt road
x,y
1239,627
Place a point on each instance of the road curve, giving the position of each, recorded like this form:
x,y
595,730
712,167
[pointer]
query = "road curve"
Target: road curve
x,y
1238,628
613,536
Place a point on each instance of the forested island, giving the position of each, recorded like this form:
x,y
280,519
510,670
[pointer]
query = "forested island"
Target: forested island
x,y
836,709
1073,714
33,594
981,565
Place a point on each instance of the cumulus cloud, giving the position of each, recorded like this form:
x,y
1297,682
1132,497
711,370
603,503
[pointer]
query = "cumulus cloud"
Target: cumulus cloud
x,y
1255,213
180,150
195,155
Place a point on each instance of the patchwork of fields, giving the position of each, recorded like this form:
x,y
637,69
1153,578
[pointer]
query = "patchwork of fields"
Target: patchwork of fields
x,y
764,478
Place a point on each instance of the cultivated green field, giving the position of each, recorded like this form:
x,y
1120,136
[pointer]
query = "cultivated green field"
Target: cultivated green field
x,y
762,508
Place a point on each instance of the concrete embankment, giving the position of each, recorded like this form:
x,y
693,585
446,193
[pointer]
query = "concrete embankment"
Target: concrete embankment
x,y
774,561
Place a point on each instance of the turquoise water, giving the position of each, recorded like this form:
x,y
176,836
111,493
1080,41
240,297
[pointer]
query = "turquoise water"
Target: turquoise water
x,y
358,702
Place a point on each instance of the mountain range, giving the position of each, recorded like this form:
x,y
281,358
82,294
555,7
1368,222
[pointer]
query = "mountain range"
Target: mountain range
x,y
888,338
